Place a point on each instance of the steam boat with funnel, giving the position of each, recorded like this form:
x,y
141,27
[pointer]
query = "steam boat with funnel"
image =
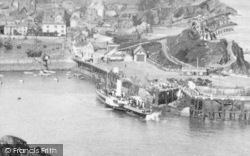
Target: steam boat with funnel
x,y
112,99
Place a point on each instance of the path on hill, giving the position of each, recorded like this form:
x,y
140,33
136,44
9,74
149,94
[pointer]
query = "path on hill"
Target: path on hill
x,y
171,58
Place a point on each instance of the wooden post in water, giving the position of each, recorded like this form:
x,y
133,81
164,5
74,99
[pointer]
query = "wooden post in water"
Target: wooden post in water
x,y
212,108
166,97
203,109
194,111
232,112
222,109
156,97
198,105
243,108
172,95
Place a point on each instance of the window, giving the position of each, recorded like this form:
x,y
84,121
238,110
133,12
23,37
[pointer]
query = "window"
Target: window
x,y
62,26
62,31
55,26
47,26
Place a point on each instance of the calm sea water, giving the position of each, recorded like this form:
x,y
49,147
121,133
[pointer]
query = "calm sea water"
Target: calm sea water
x,y
67,112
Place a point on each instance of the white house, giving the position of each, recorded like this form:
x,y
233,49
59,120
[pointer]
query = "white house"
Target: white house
x,y
140,55
88,51
60,28
16,28
83,50
77,48
54,22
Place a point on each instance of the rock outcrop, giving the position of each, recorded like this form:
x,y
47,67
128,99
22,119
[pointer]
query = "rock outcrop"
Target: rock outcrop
x,y
7,143
240,66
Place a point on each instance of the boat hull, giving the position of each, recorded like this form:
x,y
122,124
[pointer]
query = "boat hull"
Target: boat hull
x,y
136,111
118,108
101,96
114,103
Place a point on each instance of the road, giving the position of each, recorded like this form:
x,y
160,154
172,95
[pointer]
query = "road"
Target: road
x,y
171,58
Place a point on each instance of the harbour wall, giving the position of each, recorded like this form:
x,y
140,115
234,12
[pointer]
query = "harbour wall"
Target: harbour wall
x,y
29,64
199,105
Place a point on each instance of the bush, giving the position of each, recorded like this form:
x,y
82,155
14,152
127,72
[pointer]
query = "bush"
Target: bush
x,y
18,46
44,46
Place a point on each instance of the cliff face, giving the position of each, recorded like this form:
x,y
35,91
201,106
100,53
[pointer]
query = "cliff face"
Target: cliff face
x,y
241,66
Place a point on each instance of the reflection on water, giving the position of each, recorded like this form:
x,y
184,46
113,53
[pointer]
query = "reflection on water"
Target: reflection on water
x,y
68,112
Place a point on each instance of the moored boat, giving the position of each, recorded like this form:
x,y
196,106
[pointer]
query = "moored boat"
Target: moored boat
x,y
116,103
136,106
28,73
49,71
44,73
110,100
101,95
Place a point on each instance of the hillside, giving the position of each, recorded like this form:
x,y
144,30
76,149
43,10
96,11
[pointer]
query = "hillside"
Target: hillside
x,y
187,47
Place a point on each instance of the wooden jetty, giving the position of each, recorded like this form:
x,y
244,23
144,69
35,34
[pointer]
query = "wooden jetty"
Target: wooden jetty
x,y
213,107
91,68
218,107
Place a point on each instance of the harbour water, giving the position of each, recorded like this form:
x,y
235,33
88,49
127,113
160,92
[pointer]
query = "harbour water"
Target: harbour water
x,y
67,112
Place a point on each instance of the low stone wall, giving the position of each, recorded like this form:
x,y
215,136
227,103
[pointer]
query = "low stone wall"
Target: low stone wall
x,y
31,37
